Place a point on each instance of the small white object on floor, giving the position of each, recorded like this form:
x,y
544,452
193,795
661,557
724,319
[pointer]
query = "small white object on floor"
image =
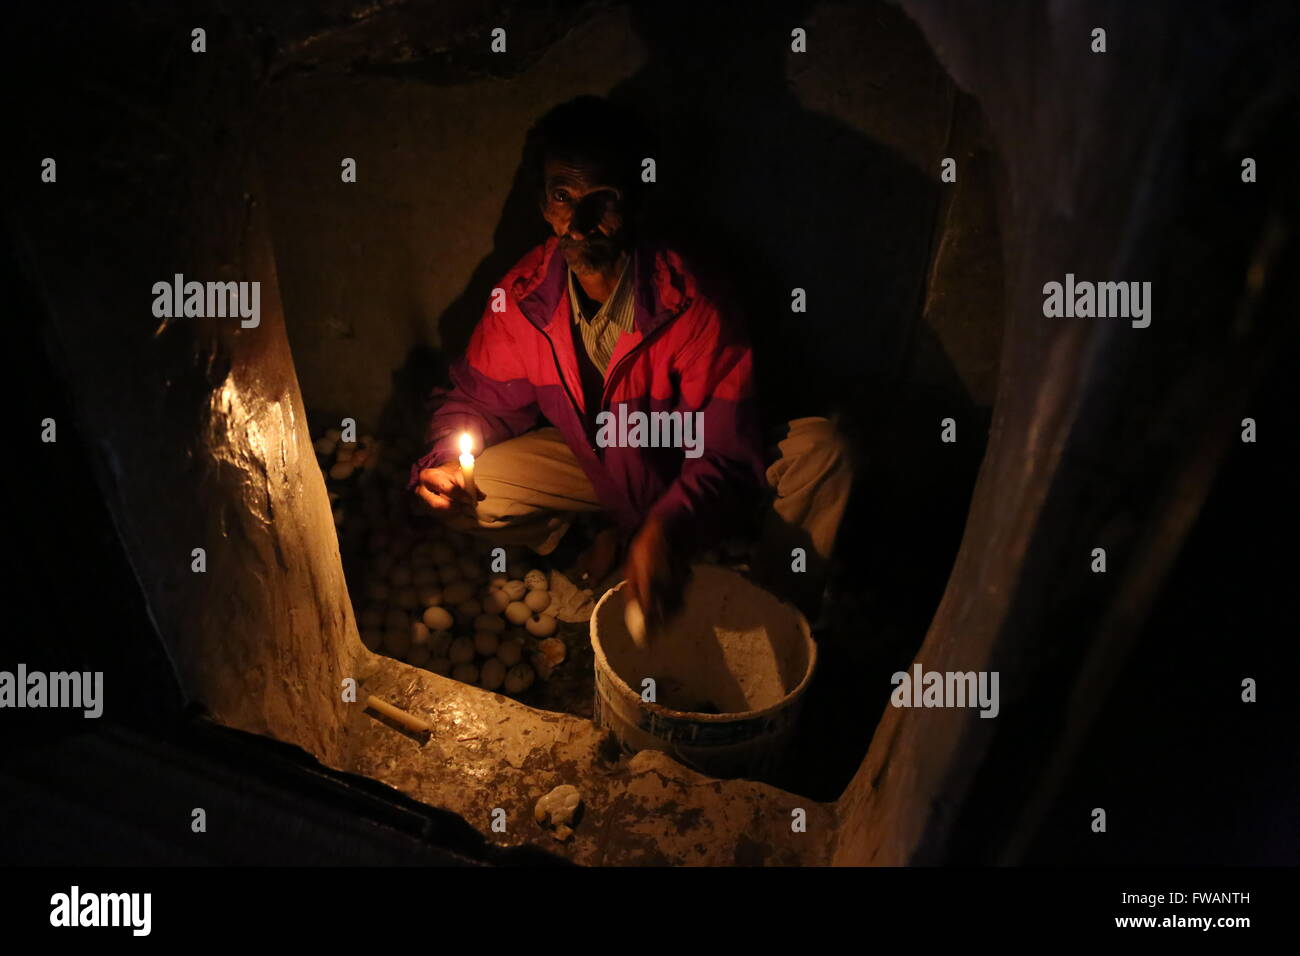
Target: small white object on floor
x,y
557,809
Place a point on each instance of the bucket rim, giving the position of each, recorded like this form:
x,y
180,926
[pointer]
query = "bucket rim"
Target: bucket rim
x,y
625,689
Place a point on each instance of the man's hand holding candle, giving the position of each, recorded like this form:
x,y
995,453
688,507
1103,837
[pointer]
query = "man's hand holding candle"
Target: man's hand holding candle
x,y
443,488
451,485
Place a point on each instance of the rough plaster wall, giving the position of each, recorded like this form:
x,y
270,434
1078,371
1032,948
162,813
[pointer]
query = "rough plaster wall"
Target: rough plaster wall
x,y
198,425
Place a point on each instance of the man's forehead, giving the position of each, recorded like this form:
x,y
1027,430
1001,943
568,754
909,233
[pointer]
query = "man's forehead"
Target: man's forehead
x,y
577,171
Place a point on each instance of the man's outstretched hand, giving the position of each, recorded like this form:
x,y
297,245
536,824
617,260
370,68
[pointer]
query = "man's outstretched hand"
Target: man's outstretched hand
x,y
656,578
443,488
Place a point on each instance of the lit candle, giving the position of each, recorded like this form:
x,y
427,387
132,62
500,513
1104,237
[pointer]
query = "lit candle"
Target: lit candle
x,y
467,466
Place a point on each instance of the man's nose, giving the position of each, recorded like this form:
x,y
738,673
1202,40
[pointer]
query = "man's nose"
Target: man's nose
x,y
586,217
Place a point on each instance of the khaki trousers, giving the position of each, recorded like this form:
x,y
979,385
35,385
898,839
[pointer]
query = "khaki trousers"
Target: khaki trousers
x,y
535,488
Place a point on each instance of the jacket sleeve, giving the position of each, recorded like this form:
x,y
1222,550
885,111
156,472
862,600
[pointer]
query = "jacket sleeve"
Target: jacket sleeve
x,y
491,397
713,492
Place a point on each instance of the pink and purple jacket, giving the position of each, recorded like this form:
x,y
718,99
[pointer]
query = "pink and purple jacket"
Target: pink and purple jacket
x,y
686,354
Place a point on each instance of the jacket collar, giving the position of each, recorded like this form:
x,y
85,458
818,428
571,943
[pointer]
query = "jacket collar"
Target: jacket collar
x,y
662,288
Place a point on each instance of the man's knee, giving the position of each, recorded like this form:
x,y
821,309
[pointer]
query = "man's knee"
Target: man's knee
x,y
818,451
497,473
495,464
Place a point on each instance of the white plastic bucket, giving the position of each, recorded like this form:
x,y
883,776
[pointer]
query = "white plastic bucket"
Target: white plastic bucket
x,y
729,675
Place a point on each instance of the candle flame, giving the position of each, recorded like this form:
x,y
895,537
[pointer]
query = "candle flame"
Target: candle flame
x,y
466,443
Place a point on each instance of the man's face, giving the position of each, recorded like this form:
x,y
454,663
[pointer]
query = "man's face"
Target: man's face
x,y
584,205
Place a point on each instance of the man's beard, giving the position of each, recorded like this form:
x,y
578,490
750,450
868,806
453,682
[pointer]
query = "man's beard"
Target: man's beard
x,y
593,254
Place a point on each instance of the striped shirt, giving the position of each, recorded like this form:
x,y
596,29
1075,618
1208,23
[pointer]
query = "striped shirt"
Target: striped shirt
x,y
601,332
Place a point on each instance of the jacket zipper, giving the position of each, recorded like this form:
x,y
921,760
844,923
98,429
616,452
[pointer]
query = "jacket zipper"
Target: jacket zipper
x,y
559,372
609,381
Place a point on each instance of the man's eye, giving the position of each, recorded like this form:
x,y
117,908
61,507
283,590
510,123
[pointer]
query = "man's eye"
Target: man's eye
x,y
560,196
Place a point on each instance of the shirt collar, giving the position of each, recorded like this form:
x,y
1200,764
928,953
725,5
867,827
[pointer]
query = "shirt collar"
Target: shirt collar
x,y
614,306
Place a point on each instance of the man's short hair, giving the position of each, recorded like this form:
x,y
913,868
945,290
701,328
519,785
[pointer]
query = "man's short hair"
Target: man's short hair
x,y
596,129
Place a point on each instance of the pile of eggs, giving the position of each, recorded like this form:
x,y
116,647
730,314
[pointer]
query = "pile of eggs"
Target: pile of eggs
x,y
447,614
346,457
343,463
429,597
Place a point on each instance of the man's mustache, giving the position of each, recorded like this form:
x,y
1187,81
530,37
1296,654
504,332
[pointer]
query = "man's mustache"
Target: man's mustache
x,y
594,241
593,253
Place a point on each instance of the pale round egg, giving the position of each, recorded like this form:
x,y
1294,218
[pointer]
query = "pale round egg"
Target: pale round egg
x,y
461,650
438,619
465,673
540,625
518,679
492,675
